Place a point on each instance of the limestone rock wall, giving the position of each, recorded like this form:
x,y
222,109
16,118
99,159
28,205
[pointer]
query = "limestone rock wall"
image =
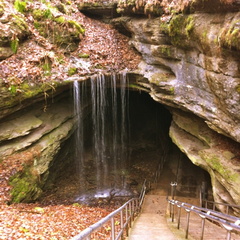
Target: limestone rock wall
x,y
191,64
30,141
187,68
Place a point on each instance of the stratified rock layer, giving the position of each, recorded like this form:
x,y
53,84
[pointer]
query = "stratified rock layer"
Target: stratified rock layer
x,y
191,64
38,135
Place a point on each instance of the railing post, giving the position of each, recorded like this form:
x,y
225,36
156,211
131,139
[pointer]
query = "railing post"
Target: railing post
x,y
121,224
130,215
126,213
173,189
112,229
227,209
173,212
179,216
229,230
133,210
228,235
203,225
188,218
170,208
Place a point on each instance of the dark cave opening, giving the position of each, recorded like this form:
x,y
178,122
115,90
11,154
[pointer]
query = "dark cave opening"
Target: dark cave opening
x,y
147,123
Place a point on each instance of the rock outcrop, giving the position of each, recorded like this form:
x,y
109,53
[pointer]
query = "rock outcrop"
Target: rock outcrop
x,y
31,140
191,64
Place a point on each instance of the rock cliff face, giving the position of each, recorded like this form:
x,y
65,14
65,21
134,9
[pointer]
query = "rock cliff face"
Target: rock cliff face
x,y
191,64
30,141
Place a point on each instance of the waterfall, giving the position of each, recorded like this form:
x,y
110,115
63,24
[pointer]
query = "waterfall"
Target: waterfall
x,y
79,95
123,131
98,97
79,133
109,111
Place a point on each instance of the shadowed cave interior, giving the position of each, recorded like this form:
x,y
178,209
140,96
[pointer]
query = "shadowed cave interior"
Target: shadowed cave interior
x,y
146,141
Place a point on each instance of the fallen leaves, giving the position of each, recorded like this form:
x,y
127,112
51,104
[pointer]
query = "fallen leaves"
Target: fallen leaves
x,y
31,221
108,50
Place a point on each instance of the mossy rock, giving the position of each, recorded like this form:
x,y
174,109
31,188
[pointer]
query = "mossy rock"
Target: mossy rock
x,y
181,30
99,8
230,36
18,30
41,14
131,7
215,162
5,52
65,33
25,187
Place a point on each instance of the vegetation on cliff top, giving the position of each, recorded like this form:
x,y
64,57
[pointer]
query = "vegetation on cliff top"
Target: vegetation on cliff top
x,y
42,40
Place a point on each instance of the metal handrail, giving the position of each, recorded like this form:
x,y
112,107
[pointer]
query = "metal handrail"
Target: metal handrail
x,y
218,203
227,221
132,208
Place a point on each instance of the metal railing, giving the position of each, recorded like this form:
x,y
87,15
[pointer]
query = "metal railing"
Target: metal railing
x,y
228,222
118,222
217,205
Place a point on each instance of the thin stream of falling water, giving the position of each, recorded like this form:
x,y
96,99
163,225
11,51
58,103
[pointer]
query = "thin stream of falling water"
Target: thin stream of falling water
x,y
109,131
99,102
123,152
79,148
114,120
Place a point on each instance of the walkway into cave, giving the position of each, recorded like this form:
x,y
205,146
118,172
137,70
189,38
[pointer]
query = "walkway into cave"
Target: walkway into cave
x,y
154,221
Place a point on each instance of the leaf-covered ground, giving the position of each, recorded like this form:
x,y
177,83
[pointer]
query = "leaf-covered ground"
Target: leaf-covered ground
x,y
40,58
53,222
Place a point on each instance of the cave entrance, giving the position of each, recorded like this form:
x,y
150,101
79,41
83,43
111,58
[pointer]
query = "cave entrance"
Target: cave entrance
x,y
120,139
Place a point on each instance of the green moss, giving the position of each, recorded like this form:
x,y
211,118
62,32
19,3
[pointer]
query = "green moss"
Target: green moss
x,y
215,163
12,89
163,27
238,88
60,31
83,55
78,26
25,187
171,90
230,36
60,19
20,6
1,10
189,26
180,30
165,50
14,44
72,71
40,14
